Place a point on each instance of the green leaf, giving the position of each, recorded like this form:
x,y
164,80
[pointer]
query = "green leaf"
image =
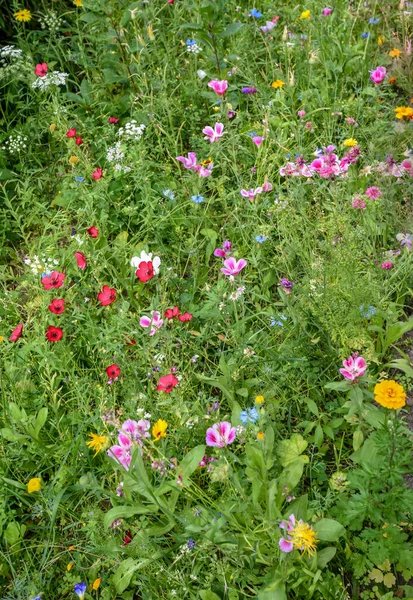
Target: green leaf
x,y
86,91
190,462
402,364
358,439
40,420
389,580
11,436
325,555
329,530
123,512
273,591
123,575
232,29
208,595
289,450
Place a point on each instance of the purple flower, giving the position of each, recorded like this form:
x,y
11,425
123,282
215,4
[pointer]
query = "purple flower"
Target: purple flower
x,y
249,90
80,589
354,367
233,267
220,434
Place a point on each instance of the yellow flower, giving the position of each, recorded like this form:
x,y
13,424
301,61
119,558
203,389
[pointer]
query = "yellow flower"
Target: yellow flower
x,y
206,162
23,15
380,40
73,160
97,443
69,566
1,338
259,399
260,435
395,53
71,548
159,429
52,127
390,394
349,142
150,33
34,485
78,3
278,84
96,583
404,111
303,537
305,15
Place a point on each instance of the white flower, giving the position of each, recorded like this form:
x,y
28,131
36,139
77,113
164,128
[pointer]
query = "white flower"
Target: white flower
x,y
201,74
54,78
156,261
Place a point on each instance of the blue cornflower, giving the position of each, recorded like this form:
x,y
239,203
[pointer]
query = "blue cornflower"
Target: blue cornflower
x,y
250,415
169,194
197,199
191,543
79,178
365,35
190,42
367,311
80,589
255,13
252,133
261,238
278,321
374,20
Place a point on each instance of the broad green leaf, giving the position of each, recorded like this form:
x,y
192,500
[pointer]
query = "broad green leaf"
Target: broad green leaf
x,y
123,512
358,439
208,595
329,530
190,462
273,591
123,575
40,420
389,580
376,575
232,29
325,555
289,450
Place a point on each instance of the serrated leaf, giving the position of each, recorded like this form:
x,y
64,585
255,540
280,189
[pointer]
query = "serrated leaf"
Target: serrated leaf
x,y
389,580
232,29
289,450
376,575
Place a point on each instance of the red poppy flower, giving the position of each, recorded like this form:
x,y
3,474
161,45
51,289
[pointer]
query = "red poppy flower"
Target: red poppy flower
x,y
81,260
79,141
145,271
41,69
57,306
107,295
113,120
54,280
54,334
97,174
113,371
129,341
16,333
185,317
167,383
171,1
92,231
71,133
170,313
128,538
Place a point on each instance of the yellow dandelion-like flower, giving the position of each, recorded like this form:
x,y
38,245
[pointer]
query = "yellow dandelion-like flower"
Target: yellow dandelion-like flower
x,y
97,442
279,83
1,338
69,566
380,40
159,429
34,485
304,537
350,142
306,14
390,394
395,53
73,160
150,32
96,583
23,15
403,112
260,435
78,3
259,399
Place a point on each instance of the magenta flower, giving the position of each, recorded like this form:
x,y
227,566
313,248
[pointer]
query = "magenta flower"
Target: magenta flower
x,y
155,322
354,367
135,430
224,251
249,90
220,434
204,171
269,25
233,267
387,264
122,453
286,285
190,162
286,544
378,74
258,140
251,193
213,134
373,192
301,113
267,187
219,87
358,202
326,11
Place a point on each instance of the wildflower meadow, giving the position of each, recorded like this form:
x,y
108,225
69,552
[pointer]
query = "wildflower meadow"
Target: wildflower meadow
x,y
206,280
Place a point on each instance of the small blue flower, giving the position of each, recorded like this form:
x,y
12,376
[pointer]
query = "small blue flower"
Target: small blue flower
x,y
80,589
169,194
39,597
42,275
278,321
197,199
79,178
288,155
191,544
374,20
303,36
252,133
190,42
365,35
368,311
255,13
261,238
250,415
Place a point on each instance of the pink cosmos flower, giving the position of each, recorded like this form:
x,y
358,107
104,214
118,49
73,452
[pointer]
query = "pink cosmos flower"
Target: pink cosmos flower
x,y
155,322
354,367
233,267
326,11
213,134
122,452
387,264
220,434
190,162
286,544
373,192
378,74
219,87
251,193
258,140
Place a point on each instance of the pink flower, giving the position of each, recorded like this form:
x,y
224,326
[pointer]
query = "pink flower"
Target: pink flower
x,y
81,260
41,69
354,367
269,25
122,453
204,171
251,193
220,434
267,187
224,251
213,134
387,265
407,166
167,383
301,113
135,430
358,202
154,323
326,11
190,162
286,544
373,192
219,87
378,75
258,140
97,174
233,267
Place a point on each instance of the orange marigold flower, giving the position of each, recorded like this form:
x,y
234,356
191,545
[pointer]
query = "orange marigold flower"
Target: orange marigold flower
x,y
395,53
390,394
